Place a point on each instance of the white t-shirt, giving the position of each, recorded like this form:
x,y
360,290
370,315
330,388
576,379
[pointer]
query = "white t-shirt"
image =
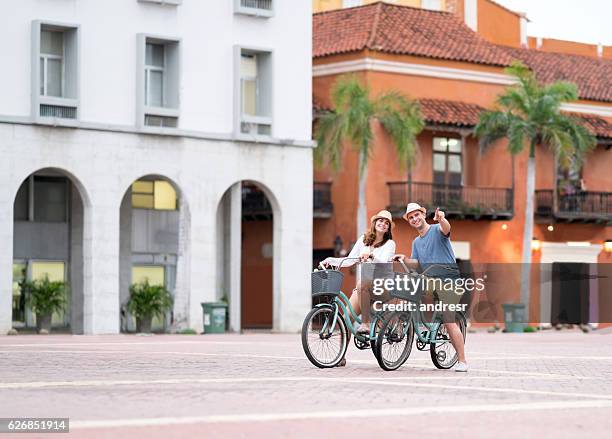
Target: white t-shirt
x,y
380,254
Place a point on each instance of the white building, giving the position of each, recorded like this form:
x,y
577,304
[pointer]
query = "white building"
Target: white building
x,y
126,129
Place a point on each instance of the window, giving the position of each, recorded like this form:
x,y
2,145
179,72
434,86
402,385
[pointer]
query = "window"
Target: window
x,y
56,272
55,71
260,8
51,63
19,305
21,207
158,92
153,273
154,75
50,199
158,195
447,163
255,92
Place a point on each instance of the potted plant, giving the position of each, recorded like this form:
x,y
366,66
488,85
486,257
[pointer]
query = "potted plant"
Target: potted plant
x,y
147,301
45,297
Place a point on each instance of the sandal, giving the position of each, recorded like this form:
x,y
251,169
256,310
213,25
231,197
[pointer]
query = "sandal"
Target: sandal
x,y
342,363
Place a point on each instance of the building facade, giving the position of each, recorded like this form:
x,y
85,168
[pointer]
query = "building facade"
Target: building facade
x,y
451,59
132,132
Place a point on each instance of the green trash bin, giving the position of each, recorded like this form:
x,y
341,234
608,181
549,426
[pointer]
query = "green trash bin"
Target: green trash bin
x,y
214,317
514,317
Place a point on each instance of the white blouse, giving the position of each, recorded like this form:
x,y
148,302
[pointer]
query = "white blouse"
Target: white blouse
x,y
384,253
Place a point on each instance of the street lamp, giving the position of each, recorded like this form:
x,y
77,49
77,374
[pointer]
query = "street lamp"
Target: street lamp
x,y
535,244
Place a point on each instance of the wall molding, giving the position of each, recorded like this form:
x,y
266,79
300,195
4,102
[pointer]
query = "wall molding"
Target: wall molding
x,y
411,69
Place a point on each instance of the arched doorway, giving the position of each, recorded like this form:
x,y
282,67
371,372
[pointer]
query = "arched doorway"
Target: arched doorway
x,y
48,226
245,254
154,221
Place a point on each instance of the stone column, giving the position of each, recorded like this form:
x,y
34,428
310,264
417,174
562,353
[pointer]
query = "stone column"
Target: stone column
x,y
6,259
101,267
235,256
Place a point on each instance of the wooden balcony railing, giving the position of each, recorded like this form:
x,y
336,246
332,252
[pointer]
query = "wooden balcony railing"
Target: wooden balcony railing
x,y
455,201
582,206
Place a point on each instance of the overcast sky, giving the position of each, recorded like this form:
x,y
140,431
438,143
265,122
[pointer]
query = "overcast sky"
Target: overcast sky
x,y
587,21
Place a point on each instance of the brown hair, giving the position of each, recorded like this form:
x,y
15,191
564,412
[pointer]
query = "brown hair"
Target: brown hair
x,y
370,236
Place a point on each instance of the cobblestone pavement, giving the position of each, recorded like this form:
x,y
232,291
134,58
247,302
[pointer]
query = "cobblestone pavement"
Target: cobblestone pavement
x,y
549,384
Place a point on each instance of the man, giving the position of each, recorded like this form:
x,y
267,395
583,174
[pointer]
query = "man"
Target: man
x,y
432,246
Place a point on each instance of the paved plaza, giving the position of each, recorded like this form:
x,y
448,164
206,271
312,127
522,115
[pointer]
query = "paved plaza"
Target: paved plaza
x,y
549,384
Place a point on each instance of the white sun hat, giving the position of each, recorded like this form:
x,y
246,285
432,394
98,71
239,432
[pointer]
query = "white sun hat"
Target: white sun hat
x,y
411,208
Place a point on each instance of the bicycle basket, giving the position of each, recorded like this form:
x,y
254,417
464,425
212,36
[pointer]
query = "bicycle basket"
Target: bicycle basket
x,y
406,290
326,281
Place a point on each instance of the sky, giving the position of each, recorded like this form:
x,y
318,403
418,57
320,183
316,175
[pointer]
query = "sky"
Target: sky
x,y
586,21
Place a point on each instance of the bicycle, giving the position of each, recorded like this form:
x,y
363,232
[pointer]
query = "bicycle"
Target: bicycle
x,y
394,341
326,331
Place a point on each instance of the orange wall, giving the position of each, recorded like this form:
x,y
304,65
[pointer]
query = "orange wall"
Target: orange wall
x,y
498,25
489,242
571,47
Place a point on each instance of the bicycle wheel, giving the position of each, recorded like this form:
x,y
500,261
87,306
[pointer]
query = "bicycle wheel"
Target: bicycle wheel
x,y
443,354
394,341
324,348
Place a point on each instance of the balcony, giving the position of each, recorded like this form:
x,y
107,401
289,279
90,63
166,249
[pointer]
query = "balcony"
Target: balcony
x,y
583,206
461,202
322,204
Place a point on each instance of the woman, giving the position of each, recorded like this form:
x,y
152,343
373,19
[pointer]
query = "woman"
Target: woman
x,y
376,245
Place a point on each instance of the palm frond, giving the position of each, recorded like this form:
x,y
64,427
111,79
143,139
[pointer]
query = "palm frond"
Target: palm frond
x,y
402,119
491,127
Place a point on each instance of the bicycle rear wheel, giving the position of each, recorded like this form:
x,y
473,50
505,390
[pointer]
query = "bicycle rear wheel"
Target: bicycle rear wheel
x,y
443,354
394,341
324,346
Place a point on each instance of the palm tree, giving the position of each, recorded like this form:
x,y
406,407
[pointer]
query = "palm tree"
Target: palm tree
x,y
351,120
529,113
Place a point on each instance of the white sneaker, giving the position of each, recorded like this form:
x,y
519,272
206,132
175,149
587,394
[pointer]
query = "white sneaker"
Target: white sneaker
x,y
461,367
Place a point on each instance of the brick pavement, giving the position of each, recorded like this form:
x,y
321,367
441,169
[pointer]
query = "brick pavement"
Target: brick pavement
x,y
261,385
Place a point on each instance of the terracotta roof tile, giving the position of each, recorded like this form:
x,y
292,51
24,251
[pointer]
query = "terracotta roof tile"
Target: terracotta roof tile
x,y
463,114
439,111
592,76
405,30
597,125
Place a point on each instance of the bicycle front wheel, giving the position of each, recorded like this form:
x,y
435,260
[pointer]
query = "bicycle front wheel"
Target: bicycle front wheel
x,y
394,341
443,354
323,345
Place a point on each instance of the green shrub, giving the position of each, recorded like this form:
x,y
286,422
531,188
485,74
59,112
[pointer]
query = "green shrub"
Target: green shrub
x,y
148,300
45,297
529,329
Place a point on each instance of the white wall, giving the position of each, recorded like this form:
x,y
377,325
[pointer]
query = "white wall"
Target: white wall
x,y
104,164
208,30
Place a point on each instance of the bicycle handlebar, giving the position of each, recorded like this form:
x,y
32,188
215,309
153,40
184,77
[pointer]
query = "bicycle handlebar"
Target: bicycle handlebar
x,y
401,261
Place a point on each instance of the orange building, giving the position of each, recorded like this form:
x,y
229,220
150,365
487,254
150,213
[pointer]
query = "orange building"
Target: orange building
x,y
453,64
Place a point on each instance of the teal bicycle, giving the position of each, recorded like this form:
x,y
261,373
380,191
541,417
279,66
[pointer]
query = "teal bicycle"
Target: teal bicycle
x,y
394,341
328,326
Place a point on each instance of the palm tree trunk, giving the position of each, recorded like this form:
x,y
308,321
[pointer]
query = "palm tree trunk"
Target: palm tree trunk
x,y
528,231
361,203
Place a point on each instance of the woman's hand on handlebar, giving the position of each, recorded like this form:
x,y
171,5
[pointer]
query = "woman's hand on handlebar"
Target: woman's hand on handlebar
x,y
398,257
365,257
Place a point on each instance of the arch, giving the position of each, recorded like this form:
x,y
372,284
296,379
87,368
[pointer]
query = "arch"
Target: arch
x,y
56,247
229,255
78,183
160,250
